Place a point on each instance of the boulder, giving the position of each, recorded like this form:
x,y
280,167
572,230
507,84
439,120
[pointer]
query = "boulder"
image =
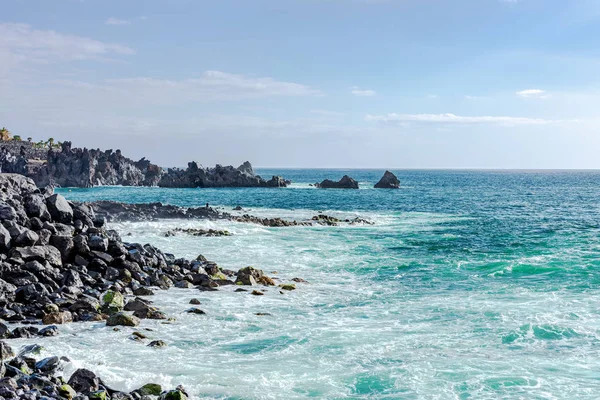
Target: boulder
x,y
35,207
38,253
112,302
59,208
122,319
84,381
248,276
388,181
150,389
61,317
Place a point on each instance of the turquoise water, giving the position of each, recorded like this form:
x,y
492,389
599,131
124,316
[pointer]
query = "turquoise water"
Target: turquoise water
x,y
471,284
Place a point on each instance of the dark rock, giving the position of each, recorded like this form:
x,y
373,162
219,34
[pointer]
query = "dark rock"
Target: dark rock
x,y
48,365
195,310
27,238
6,351
49,331
36,207
157,343
84,381
38,253
345,183
59,208
142,291
122,319
388,181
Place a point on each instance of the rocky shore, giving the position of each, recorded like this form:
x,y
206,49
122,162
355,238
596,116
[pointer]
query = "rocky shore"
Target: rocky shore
x,y
60,264
118,212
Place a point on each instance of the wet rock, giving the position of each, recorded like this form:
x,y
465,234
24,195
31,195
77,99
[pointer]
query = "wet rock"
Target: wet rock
x,y
67,392
157,343
142,291
388,181
58,318
265,280
195,301
248,276
288,286
150,389
345,183
112,302
122,319
99,395
175,395
84,381
195,310
257,293
299,280
24,332
4,331
49,331
48,365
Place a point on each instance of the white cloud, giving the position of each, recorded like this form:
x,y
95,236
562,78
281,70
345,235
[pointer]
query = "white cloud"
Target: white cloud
x,y
533,93
211,85
117,21
457,119
355,90
20,44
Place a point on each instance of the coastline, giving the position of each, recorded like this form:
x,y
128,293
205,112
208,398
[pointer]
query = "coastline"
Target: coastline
x,y
61,265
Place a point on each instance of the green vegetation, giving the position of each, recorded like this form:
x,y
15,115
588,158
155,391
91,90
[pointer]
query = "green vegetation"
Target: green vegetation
x,y
6,135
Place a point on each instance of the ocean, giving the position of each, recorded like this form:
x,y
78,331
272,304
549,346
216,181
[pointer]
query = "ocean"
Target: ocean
x,y
469,285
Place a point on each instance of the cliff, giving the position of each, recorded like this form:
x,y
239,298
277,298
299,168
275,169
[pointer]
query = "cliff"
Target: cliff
x,y
76,167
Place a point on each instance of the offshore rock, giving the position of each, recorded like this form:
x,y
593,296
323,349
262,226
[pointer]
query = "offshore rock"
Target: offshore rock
x,y
219,176
388,181
345,183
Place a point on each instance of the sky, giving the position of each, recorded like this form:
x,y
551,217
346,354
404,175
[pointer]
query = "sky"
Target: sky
x,y
309,83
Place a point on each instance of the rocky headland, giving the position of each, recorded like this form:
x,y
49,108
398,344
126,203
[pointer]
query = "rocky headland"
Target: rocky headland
x,y
76,167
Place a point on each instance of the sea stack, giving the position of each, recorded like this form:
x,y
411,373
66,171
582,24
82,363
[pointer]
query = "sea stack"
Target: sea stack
x,y
345,183
388,181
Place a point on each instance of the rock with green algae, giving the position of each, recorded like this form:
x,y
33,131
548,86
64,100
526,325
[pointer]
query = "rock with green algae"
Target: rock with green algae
x,y
112,302
150,389
175,395
122,319
288,286
67,391
99,395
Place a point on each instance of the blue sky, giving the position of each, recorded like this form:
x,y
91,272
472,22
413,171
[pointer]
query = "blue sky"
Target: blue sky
x,y
309,83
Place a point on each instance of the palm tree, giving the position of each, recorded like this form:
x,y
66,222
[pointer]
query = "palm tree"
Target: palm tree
x,y
50,142
29,139
4,134
17,138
